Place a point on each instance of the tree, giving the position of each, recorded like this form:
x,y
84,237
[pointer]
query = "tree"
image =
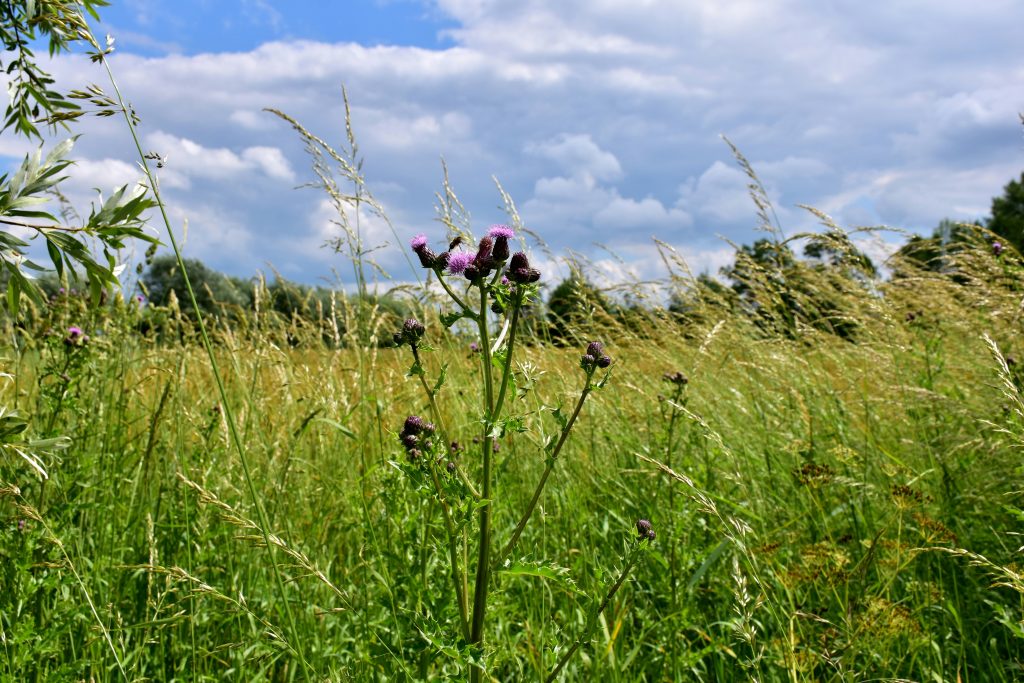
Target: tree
x,y
1007,219
573,300
212,288
113,220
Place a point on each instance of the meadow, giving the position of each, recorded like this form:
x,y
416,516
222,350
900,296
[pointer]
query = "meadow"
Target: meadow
x,y
836,496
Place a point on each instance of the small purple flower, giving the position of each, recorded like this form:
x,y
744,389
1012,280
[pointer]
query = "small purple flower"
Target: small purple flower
x,y
458,261
497,231
428,259
21,525
644,530
997,248
139,299
474,347
75,337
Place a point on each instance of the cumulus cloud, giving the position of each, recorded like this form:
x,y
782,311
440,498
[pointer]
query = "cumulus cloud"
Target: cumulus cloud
x,y
601,119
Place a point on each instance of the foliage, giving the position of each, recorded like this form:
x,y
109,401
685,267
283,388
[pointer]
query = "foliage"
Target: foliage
x,y
1007,219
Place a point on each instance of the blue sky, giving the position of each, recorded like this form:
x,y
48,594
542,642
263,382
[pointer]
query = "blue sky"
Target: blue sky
x,y
602,120
156,27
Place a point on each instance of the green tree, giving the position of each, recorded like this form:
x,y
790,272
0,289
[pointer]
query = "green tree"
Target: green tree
x,y
574,300
212,289
1007,219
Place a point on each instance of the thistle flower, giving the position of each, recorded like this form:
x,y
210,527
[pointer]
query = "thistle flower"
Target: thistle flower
x,y
644,530
595,357
450,467
76,337
428,259
677,378
458,261
484,262
414,424
411,333
501,235
498,231
997,248
519,270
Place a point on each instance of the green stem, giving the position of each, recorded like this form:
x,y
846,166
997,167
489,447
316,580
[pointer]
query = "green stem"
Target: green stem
x,y
507,370
510,546
589,629
455,297
484,550
228,415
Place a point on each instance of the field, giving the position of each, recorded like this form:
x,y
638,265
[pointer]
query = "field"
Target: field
x,y
833,507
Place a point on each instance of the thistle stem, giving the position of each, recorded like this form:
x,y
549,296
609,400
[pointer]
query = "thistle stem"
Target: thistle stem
x,y
510,546
484,550
634,556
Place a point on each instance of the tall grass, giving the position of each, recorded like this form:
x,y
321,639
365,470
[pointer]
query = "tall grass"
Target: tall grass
x,y
827,508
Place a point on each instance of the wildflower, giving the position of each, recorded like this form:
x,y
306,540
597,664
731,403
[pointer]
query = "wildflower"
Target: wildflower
x,y
677,378
501,235
414,424
595,357
21,525
997,248
474,347
76,337
411,333
644,530
428,259
410,441
458,262
519,270
450,467
483,263
501,231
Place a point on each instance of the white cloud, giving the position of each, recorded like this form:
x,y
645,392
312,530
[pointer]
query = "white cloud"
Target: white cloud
x,y
601,118
193,159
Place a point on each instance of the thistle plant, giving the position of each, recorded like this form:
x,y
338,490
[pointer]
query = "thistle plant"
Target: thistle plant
x,y
489,288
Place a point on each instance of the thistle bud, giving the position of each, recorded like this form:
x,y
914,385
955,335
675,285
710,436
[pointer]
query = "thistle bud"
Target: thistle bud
x,y
644,530
414,424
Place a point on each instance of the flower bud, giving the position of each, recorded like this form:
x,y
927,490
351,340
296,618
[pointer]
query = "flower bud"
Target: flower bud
x,y
414,424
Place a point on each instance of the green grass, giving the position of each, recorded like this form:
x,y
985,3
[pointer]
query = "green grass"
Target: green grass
x,y
822,488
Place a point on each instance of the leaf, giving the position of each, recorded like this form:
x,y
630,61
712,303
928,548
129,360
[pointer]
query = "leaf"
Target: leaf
x,y
337,425
548,572
441,379
449,319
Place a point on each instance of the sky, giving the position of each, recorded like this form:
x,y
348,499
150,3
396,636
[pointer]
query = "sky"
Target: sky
x,y
601,119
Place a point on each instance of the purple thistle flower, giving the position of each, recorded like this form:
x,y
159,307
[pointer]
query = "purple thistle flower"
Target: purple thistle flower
x,y
414,424
418,242
458,261
997,248
74,332
497,231
595,349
